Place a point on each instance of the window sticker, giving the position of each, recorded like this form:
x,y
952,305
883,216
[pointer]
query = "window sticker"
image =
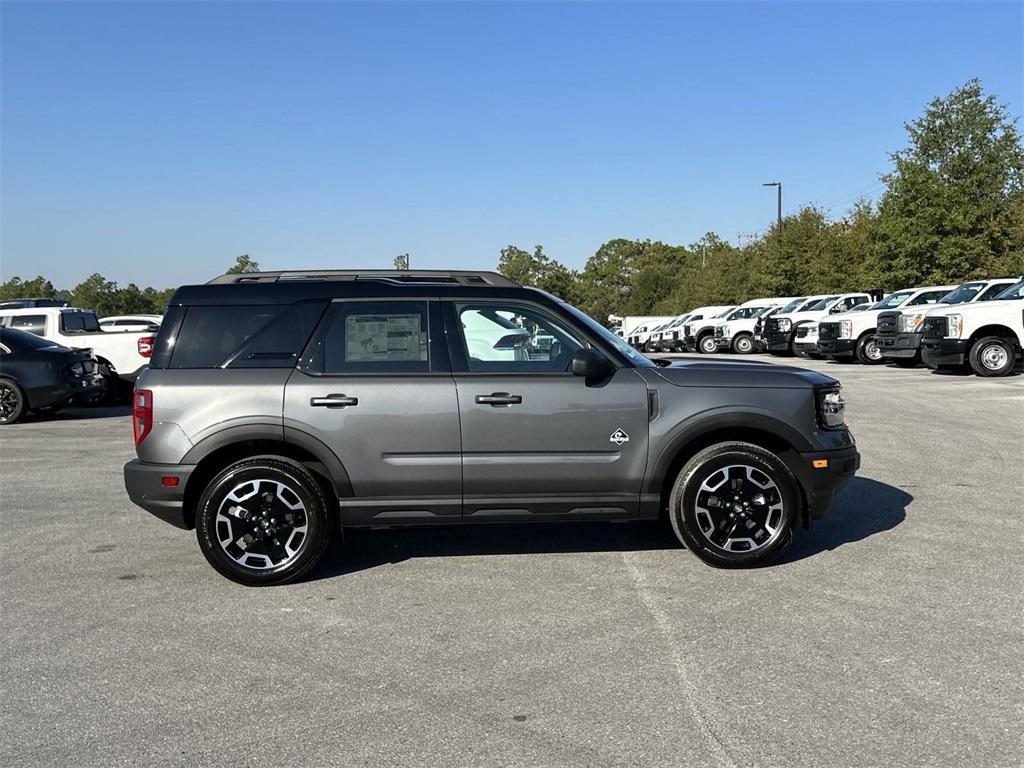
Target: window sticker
x,y
384,338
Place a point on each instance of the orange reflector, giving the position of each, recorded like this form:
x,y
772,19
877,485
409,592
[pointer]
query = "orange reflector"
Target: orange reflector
x,y
169,480
819,463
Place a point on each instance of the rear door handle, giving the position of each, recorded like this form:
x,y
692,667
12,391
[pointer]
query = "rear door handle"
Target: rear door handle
x,y
499,398
333,401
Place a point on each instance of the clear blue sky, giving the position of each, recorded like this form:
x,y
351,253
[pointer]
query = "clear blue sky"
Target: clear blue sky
x,y
155,142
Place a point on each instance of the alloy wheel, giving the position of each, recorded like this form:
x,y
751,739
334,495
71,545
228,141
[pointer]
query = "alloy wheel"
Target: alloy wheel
x,y
262,524
10,402
739,508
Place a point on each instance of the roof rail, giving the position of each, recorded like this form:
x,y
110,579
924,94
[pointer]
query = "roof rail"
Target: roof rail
x,y
457,277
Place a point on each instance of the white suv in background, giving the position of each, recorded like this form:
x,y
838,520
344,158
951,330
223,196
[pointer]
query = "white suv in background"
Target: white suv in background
x,y
852,334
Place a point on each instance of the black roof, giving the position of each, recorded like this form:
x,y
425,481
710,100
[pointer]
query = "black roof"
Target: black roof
x,y
261,288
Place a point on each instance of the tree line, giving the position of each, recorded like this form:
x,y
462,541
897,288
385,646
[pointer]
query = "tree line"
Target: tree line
x,y
952,209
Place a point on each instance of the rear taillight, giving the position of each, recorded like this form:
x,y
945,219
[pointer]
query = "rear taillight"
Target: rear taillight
x,y
146,345
142,414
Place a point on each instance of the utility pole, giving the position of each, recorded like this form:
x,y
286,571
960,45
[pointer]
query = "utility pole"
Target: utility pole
x,y
778,215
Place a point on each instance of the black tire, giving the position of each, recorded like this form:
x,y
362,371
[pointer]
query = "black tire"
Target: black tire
x,y
749,464
868,351
279,566
13,404
706,344
992,356
743,344
906,362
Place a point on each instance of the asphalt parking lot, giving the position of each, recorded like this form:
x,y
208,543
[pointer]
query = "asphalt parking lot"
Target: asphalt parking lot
x,y
890,634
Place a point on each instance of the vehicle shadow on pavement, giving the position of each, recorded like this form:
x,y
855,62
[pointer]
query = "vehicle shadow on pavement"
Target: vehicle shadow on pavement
x,y
363,550
862,509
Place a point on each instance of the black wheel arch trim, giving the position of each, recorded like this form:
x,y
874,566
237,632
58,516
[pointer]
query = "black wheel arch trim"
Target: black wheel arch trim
x,y
276,433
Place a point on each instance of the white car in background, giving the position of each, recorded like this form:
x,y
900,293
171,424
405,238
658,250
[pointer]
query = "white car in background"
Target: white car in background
x,y
118,323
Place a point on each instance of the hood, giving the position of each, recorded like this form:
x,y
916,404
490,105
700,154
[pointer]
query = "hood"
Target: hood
x,y
872,313
741,373
979,308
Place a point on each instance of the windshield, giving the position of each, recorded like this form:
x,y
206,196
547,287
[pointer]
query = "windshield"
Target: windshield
x,y
609,338
743,313
1012,293
723,313
819,304
963,294
893,300
791,307
679,321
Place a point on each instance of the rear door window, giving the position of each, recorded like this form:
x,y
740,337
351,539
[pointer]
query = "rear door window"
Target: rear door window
x,y
376,337
32,323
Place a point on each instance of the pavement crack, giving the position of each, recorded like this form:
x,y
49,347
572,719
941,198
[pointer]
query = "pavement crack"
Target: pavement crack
x,y
693,695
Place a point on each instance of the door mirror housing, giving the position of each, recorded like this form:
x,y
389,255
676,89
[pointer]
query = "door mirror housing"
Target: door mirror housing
x,y
590,365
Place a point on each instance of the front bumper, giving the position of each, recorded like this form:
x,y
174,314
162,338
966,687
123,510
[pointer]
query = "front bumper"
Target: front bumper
x,y
723,342
778,341
146,489
806,346
900,345
938,353
838,347
822,483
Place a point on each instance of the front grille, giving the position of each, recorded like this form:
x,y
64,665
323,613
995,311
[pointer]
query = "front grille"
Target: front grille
x,y
827,331
771,325
888,323
936,326
802,331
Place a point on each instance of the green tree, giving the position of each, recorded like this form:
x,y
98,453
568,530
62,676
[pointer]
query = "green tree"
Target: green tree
x,y
243,265
402,261
539,271
954,202
98,294
37,287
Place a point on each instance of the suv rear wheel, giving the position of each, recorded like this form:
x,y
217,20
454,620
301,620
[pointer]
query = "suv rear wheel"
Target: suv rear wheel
x,y
263,521
992,356
734,505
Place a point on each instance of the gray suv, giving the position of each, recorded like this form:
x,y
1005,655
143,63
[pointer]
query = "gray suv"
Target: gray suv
x,y
280,409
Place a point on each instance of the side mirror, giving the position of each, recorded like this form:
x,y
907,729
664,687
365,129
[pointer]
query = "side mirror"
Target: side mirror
x,y
836,309
590,365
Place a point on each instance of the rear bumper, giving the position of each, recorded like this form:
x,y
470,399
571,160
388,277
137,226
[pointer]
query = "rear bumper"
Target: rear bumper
x,y
146,489
837,347
937,353
822,484
67,391
900,345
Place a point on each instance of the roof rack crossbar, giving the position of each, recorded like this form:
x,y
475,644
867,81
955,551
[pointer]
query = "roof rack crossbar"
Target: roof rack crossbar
x,y
459,277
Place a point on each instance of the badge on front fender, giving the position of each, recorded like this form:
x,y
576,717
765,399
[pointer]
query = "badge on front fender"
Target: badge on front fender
x,y
619,437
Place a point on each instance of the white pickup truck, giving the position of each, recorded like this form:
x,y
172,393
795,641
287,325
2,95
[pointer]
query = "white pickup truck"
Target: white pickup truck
x,y
899,333
735,333
987,334
853,334
797,332
698,333
121,354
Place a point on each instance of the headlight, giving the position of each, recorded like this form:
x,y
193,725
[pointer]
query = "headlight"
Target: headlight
x,y
831,409
785,325
909,323
846,329
955,326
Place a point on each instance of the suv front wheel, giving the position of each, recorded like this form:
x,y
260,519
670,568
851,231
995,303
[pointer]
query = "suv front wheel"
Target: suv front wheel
x,y
263,521
734,505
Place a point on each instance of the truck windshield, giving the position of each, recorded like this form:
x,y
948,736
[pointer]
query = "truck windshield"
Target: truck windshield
x,y
79,322
893,300
609,338
962,294
791,307
1012,293
819,304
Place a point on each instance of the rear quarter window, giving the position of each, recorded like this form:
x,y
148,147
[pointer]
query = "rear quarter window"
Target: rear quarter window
x,y
270,336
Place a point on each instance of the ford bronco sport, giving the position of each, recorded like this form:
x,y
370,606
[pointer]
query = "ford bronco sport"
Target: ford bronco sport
x,y
280,409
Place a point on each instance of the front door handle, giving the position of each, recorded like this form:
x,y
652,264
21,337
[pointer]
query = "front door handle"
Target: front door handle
x,y
499,398
333,401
